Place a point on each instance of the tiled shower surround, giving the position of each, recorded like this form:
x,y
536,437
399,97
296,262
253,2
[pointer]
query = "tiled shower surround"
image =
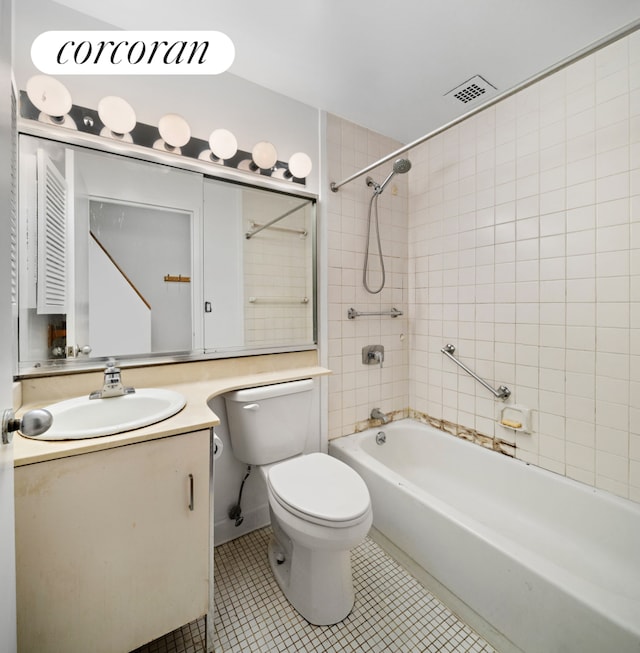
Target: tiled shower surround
x,y
522,229
354,389
278,276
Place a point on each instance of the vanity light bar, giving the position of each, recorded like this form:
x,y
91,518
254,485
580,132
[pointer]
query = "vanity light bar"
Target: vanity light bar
x,y
88,121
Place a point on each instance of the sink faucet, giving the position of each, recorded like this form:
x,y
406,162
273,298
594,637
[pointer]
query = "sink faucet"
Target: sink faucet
x,y
112,383
376,413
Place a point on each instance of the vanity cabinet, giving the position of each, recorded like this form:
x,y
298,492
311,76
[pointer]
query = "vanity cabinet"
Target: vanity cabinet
x,y
112,547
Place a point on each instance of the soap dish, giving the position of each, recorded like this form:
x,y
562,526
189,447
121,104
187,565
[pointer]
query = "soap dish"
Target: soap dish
x,y
516,418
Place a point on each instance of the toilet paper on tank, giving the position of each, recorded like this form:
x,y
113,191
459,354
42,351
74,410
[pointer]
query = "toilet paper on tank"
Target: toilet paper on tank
x,y
217,447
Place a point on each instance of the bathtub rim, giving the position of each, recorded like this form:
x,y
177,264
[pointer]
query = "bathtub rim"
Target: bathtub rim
x,y
350,443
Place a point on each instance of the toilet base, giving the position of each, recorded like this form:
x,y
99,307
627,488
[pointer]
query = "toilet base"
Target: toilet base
x,y
317,583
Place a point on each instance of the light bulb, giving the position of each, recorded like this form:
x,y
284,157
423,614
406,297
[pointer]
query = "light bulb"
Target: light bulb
x,y
49,96
264,155
300,165
174,129
223,144
117,115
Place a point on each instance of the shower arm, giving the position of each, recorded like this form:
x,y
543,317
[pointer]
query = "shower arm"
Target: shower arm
x,y
501,393
614,36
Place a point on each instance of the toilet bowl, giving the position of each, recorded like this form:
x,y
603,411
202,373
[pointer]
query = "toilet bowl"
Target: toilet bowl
x,y
314,532
320,508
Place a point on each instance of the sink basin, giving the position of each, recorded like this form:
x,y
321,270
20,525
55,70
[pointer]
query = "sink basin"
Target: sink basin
x,y
82,417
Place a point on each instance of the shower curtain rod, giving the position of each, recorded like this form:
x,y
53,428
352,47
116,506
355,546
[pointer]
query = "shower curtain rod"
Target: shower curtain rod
x,y
597,45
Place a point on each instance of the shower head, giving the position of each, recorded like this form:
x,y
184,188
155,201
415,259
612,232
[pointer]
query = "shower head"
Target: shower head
x,y
400,166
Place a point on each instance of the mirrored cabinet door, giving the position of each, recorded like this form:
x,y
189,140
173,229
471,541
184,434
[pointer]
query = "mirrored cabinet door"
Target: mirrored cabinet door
x,y
132,259
262,245
102,238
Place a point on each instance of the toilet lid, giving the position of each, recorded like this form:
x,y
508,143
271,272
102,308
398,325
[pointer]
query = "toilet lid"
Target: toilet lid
x,y
321,487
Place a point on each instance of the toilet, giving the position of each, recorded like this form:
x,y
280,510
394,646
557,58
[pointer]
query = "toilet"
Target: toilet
x,y
320,508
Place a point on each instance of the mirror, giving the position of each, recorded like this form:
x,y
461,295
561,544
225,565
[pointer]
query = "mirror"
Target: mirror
x,y
271,236
132,259
137,288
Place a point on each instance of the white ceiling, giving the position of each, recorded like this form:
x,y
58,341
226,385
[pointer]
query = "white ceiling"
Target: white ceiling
x,y
385,65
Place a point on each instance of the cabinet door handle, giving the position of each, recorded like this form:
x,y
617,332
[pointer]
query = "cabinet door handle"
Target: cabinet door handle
x,y
191,492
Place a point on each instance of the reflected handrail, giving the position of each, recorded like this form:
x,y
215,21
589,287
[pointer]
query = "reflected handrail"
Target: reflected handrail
x,y
120,270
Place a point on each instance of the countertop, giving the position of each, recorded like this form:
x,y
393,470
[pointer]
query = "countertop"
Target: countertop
x,y
195,416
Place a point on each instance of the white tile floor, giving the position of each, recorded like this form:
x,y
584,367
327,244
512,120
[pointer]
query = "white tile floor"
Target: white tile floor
x,y
188,639
392,612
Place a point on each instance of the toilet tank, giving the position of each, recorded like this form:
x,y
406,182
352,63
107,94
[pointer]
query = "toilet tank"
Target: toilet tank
x,y
269,423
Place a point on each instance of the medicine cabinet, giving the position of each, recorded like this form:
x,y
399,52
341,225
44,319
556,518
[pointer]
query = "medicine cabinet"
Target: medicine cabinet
x,y
120,257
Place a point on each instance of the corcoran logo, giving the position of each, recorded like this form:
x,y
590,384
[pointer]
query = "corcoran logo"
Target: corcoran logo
x,y
132,53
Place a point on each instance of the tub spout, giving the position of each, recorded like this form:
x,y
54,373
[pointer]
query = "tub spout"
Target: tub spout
x,y
376,413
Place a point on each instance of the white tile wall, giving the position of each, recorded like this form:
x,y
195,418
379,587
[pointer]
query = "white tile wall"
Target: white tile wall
x,y
278,275
354,388
524,232
519,242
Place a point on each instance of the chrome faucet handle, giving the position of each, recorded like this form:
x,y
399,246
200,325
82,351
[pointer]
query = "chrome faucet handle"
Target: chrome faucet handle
x,y
112,386
373,354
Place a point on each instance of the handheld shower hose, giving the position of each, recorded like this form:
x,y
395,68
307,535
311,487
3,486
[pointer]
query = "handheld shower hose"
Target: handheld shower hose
x,y
400,166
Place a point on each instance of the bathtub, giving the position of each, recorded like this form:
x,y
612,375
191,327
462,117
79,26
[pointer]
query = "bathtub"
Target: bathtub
x,y
551,564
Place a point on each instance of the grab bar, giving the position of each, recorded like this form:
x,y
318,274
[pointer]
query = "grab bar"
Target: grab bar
x,y
501,393
278,300
250,234
352,313
303,233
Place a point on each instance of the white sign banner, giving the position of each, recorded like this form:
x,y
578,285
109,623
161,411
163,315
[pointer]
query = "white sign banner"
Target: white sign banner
x,y
132,52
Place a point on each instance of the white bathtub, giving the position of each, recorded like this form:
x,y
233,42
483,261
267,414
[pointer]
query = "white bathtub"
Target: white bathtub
x,y
552,564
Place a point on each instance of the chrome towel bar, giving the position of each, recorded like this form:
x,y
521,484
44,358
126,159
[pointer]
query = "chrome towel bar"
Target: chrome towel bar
x,y
501,393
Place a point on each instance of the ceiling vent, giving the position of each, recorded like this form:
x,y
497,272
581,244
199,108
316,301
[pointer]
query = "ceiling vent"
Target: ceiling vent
x,y
474,91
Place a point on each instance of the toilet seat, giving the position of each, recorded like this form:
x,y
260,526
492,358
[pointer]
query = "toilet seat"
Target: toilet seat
x,y
320,489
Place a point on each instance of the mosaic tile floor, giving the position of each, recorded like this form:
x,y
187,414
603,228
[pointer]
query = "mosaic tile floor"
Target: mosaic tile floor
x,y
392,613
188,639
